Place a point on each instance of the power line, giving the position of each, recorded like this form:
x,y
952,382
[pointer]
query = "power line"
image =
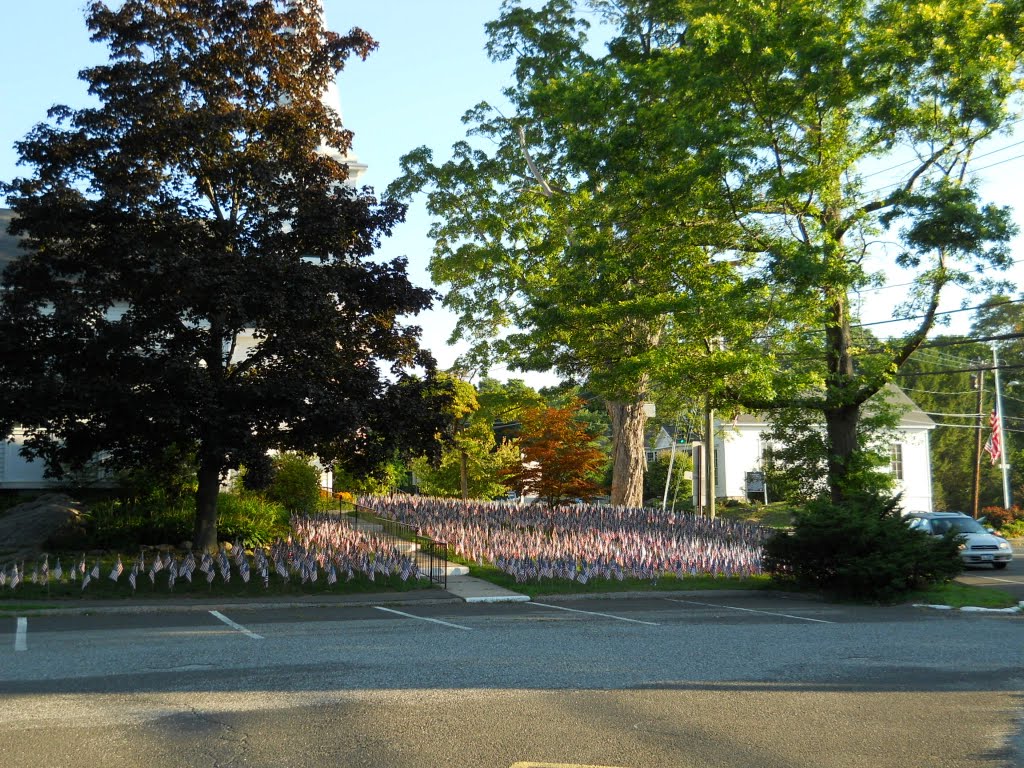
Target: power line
x,y
962,370
946,312
890,286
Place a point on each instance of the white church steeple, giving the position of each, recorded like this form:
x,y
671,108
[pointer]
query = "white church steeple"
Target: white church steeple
x,y
331,99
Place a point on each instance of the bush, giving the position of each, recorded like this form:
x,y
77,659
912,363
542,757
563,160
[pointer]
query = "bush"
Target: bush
x,y
295,484
1000,517
118,525
250,519
860,549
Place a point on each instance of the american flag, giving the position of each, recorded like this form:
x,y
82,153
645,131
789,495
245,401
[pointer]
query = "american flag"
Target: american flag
x,y
86,579
96,570
15,576
243,568
46,569
994,446
117,570
188,566
132,574
58,572
3,577
332,575
172,574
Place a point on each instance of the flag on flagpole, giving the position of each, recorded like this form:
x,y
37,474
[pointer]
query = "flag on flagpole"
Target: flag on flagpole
x,y
994,446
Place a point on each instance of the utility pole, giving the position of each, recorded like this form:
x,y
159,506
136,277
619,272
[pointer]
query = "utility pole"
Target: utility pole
x,y
1003,447
979,384
709,457
671,464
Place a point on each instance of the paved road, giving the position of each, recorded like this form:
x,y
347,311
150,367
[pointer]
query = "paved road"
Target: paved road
x,y
1010,579
704,680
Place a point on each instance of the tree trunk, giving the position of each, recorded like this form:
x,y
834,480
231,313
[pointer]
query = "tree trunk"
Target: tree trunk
x,y
204,538
628,422
843,411
841,431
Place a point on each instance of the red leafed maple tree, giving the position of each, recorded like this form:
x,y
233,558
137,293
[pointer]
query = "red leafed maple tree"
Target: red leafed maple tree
x,y
560,457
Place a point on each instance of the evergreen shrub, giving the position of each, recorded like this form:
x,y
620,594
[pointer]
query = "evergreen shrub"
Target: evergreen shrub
x,y
860,549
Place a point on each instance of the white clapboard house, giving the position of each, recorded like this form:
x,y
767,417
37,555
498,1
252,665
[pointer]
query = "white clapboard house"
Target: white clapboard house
x,y
740,446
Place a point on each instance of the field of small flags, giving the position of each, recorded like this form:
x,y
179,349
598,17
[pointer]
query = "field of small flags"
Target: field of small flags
x,y
581,543
324,553
524,544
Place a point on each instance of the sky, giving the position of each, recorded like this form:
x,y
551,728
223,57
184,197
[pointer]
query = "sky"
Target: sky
x,y
429,69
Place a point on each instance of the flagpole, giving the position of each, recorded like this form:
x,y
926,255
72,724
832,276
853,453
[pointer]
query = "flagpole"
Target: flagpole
x,y
1003,447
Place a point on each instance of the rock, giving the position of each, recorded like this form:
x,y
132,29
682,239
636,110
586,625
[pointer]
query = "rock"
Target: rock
x,y
26,530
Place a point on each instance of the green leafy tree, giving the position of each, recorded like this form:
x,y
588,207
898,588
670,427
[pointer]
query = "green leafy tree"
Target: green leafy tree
x,y
471,461
197,272
472,468
806,99
558,225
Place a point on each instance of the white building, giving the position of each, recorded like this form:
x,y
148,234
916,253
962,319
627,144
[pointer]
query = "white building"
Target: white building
x,y
740,448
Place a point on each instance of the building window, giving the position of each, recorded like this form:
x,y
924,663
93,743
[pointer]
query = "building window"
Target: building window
x,y
896,460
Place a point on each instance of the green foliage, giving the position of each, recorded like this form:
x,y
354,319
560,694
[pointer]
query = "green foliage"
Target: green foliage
x,y
170,476
860,549
472,460
484,463
797,453
680,490
295,484
127,525
116,524
388,477
251,519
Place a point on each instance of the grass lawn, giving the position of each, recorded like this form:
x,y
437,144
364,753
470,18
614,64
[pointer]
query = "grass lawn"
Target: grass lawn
x,y
959,595
774,515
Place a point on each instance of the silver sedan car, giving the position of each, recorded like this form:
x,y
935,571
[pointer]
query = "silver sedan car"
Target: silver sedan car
x,y
979,545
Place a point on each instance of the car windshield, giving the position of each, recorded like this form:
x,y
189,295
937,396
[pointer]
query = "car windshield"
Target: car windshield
x,y
958,524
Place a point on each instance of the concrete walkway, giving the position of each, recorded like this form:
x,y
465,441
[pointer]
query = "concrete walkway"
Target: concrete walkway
x,y
479,591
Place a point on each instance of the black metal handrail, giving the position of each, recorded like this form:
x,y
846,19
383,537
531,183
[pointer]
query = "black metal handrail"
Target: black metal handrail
x,y
431,554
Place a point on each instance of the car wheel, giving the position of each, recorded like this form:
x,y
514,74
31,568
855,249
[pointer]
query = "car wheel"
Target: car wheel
x,y
999,566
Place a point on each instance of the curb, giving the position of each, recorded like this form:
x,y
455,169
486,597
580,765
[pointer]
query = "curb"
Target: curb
x,y
972,608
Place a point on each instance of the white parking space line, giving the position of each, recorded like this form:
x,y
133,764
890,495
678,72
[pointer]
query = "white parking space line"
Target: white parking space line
x,y
236,626
1004,581
749,610
595,613
422,618
21,635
